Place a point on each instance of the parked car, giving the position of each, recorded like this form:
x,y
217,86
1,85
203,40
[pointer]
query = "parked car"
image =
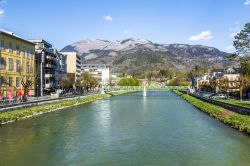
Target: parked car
x,y
204,94
207,94
220,95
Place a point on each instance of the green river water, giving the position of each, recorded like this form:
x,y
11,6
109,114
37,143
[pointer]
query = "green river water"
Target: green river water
x,y
126,130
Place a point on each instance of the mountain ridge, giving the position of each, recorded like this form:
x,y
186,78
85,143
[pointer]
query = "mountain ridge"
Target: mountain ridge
x,y
128,51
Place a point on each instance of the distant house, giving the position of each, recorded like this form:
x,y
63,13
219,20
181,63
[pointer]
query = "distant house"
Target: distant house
x,y
217,73
201,80
232,74
229,75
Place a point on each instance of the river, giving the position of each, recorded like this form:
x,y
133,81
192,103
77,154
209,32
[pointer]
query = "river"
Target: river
x,y
160,129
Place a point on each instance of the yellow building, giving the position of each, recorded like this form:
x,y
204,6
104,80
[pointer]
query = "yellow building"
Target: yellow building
x,y
17,62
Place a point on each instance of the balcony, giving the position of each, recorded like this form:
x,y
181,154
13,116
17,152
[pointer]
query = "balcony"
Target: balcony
x,y
48,75
49,65
48,86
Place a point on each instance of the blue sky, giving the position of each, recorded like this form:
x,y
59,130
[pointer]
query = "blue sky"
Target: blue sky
x,y
62,22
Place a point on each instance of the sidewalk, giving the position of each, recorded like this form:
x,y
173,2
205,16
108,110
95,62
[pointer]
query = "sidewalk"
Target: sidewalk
x,y
38,101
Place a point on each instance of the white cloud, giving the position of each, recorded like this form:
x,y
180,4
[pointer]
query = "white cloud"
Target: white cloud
x,y
247,2
204,35
1,13
125,32
230,48
234,30
108,18
1,10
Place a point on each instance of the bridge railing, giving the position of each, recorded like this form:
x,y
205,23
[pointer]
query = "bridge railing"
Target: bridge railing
x,y
140,88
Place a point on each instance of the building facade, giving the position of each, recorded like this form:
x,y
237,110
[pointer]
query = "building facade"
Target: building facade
x,y
17,64
73,64
233,75
201,80
61,66
228,79
100,71
45,67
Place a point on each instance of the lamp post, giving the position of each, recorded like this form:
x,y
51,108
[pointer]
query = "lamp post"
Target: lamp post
x,y
41,70
37,89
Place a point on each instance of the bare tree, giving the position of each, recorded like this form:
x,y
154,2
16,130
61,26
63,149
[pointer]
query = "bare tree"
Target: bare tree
x,y
26,82
67,82
242,83
88,81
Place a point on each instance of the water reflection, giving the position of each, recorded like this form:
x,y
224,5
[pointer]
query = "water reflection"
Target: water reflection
x,y
103,120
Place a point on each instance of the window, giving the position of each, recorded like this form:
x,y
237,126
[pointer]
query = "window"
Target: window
x,y
17,49
18,66
2,63
28,52
32,53
47,80
24,50
11,64
17,82
10,81
28,68
2,44
1,80
39,46
10,46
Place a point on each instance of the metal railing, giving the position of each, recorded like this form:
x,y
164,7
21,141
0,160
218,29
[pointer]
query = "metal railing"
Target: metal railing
x,y
18,104
140,88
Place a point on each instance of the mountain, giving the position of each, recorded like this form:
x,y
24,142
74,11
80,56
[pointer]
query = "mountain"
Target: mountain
x,y
135,55
93,48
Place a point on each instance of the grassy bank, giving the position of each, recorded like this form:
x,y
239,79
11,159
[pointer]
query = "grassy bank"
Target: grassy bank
x,y
27,112
237,121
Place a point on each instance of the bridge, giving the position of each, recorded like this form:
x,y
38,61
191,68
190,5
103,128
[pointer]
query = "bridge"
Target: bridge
x,y
149,88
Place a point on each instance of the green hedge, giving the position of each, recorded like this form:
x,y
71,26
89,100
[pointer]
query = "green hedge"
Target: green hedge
x,y
20,113
237,121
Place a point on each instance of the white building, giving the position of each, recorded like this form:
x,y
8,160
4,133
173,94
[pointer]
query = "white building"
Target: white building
x,y
200,80
98,70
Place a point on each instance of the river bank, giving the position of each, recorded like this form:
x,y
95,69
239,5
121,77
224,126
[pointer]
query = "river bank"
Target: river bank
x,y
234,120
30,111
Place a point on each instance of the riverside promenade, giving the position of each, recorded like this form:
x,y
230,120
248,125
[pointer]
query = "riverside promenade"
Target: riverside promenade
x,y
27,110
39,101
